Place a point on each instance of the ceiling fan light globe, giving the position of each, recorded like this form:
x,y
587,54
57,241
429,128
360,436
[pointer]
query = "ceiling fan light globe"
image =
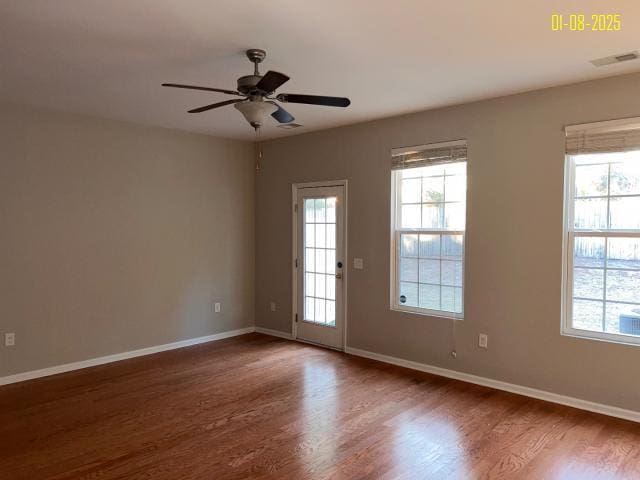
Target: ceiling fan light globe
x,y
256,112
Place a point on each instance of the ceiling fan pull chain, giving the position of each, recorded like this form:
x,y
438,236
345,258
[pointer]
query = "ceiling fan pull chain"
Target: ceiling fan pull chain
x,y
258,150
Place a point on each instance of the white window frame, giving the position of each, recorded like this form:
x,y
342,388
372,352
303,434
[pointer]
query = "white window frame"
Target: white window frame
x,y
569,233
395,254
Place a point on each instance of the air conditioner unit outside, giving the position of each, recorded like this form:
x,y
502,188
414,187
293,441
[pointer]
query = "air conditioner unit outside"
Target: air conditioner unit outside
x,y
630,322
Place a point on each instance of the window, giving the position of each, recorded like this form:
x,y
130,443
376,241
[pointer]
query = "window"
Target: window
x,y
602,222
429,186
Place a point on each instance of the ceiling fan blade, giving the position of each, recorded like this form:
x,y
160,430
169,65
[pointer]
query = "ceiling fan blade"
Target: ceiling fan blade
x,y
206,89
271,81
281,115
215,105
314,100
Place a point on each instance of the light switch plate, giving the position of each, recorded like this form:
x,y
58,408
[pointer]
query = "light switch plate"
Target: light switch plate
x,y
9,339
272,306
358,263
217,307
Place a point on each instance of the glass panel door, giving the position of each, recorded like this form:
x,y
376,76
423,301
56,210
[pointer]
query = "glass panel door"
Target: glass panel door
x,y
320,261
320,247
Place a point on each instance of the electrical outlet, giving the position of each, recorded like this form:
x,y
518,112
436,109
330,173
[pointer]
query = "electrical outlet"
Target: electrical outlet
x,y
272,306
217,307
9,339
483,340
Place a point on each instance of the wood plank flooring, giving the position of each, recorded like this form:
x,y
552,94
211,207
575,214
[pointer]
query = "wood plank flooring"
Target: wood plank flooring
x,y
257,407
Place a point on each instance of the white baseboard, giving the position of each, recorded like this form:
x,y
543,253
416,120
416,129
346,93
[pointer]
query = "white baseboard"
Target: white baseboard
x,y
67,367
274,333
632,415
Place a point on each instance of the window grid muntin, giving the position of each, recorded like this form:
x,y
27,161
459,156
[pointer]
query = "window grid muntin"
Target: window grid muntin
x,y
329,270
605,234
436,231
440,259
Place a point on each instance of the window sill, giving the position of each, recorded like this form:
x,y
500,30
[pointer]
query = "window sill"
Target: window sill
x,y
617,338
428,313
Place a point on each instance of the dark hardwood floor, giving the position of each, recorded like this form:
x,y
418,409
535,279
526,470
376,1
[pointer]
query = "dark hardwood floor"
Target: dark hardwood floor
x,y
259,407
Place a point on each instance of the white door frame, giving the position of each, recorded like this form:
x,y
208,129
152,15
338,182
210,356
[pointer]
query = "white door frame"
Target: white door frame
x,y
294,253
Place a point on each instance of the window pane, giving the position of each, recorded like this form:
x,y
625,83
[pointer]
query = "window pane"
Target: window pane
x,y
331,210
331,313
457,168
320,285
625,177
452,273
433,171
588,283
454,216
430,271
331,236
411,172
623,318
588,252
591,214
408,294
625,213
458,300
320,311
452,247
411,216
331,287
429,245
408,269
455,188
592,180
448,299
433,189
331,262
320,210
310,235
410,190
321,235
409,245
309,308
320,261
310,260
309,284
623,253
430,297
309,208
623,286
432,215
587,315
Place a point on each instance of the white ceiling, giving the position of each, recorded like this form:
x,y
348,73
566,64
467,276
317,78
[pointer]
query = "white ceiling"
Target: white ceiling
x,y
108,57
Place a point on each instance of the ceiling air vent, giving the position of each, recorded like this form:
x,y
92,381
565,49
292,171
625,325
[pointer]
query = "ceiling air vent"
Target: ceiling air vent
x,y
289,126
623,57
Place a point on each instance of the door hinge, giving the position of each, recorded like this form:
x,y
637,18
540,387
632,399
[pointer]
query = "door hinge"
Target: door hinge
x,y
295,207
296,262
296,318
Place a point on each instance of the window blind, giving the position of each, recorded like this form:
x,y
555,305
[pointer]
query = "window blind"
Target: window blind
x,y
432,154
603,137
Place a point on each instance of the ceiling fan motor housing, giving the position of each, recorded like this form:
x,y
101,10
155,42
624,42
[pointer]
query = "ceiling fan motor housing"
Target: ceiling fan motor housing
x,y
247,84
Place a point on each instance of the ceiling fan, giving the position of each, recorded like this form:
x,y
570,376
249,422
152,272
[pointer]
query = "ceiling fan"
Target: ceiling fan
x,y
256,91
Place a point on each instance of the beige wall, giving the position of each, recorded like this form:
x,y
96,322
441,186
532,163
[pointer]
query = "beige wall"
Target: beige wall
x,y
514,238
115,237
